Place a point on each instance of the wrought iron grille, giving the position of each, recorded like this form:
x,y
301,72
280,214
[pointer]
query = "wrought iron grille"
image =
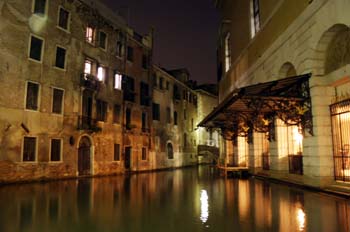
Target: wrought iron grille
x,y
340,113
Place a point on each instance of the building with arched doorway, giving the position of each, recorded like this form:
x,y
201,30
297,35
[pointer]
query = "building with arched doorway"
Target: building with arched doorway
x,y
284,93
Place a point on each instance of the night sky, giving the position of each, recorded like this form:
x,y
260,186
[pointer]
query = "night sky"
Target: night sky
x,y
185,32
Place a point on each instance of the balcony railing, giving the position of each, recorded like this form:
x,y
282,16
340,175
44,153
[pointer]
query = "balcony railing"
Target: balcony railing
x,y
90,82
295,164
266,161
87,123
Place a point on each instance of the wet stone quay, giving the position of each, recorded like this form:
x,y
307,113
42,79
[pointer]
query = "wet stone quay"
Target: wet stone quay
x,y
191,199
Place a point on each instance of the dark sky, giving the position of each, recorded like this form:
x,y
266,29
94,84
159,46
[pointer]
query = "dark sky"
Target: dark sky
x,y
185,32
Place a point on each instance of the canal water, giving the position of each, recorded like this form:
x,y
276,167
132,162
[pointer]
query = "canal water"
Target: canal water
x,y
191,199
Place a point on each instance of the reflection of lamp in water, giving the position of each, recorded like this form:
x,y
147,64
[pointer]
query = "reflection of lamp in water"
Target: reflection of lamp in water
x,y
298,137
204,206
301,219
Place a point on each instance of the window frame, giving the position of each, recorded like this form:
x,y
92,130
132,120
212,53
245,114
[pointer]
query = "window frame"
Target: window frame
x,y
65,58
42,48
120,82
119,121
131,60
52,101
38,98
93,36
105,42
61,151
104,69
144,154
114,152
68,19
154,112
35,152
101,116
46,9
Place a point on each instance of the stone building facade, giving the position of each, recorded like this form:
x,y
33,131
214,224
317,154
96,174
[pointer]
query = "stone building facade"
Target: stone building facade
x,y
291,57
76,92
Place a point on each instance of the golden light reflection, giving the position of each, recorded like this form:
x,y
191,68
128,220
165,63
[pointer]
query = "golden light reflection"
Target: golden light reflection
x,y
301,219
37,23
204,206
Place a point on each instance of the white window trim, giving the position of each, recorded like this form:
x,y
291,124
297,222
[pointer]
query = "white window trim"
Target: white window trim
x,y
65,59
42,48
91,67
46,8
62,108
58,19
25,96
61,150
106,45
36,150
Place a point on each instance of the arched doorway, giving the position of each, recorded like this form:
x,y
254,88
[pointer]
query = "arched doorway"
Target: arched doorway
x,y
84,156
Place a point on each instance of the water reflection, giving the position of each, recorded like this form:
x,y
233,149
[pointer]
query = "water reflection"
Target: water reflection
x,y
183,200
204,206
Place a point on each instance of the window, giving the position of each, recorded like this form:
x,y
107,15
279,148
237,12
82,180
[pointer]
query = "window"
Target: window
x,y
89,36
144,122
144,61
254,17
120,49
32,97
116,114
117,81
55,152
156,111
185,140
130,55
57,101
185,114
128,118
63,18
60,57
128,86
144,94
36,48
29,149
175,118
116,152
144,153
101,73
161,79
192,124
176,93
102,43
227,53
87,67
168,116
39,7
170,151
167,85
101,110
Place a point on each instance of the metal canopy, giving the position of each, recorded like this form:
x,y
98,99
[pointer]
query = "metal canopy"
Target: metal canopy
x,y
253,108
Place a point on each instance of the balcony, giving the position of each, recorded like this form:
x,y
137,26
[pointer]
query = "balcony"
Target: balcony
x,y
295,164
88,123
90,82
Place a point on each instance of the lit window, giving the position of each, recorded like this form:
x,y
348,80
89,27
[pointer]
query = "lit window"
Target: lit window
x,y
87,67
227,52
63,19
101,73
254,17
89,34
118,81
